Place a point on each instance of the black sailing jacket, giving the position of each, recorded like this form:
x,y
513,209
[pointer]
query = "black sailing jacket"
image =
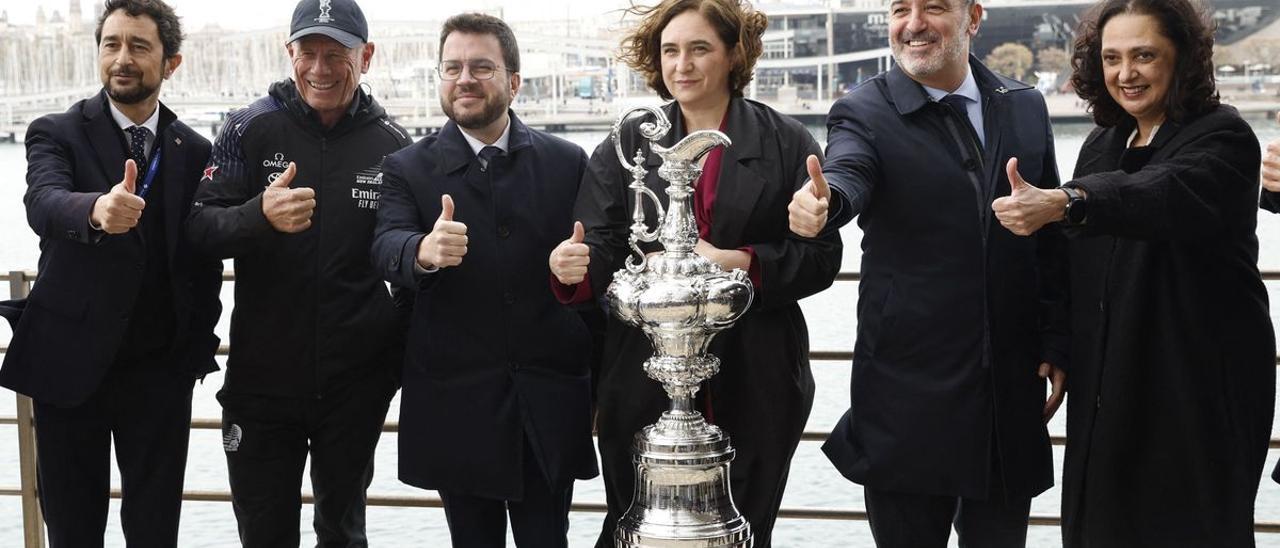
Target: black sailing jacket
x,y
310,310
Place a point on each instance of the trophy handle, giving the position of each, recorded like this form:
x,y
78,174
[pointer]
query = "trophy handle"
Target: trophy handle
x,y
652,131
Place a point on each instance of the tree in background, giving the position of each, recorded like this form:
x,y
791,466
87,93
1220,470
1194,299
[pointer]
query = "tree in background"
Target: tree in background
x,y
1010,59
1053,60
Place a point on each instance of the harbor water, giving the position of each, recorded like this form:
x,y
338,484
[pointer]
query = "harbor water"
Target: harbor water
x,y
813,481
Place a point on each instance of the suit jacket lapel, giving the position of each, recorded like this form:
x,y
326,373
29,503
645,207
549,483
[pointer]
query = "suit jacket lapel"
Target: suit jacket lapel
x,y
108,143
175,191
105,138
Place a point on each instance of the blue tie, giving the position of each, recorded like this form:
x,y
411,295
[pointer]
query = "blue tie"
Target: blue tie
x,y
959,105
487,154
138,147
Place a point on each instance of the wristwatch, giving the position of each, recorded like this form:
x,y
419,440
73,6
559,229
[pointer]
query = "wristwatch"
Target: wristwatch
x,y
1077,210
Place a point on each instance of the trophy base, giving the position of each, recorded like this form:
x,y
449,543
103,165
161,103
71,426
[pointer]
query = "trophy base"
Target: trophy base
x,y
683,497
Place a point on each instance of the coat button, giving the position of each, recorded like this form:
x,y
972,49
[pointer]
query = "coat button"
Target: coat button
x,y
503,231
508,299
515,366
73,235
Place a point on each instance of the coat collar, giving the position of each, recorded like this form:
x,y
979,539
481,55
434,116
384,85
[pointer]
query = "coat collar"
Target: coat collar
x,y
455,153
1108,144
909,96
107,139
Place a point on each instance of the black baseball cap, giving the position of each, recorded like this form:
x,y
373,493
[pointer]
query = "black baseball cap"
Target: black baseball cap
x,y
341,20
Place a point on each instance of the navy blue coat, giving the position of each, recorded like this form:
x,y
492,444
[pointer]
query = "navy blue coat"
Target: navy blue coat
x,y
78,312
955,313
492,357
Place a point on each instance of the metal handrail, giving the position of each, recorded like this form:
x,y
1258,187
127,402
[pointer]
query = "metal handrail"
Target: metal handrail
x,y
850,276
393,427
33,529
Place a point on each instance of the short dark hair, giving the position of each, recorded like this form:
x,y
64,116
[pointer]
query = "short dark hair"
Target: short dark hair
x,y
166,21
479,23
1184,23
739,25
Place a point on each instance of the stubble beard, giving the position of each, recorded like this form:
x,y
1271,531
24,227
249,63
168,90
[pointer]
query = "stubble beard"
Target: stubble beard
x,y
950,52
492,112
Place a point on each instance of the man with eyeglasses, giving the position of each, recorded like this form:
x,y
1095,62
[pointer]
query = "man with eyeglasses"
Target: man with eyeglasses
x,y
496,408
291,193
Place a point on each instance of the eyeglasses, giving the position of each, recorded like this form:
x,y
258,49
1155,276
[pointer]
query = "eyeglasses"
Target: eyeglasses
x,y
480,70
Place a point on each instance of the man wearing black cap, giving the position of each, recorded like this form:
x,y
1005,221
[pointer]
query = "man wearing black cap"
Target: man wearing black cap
x,y
291,192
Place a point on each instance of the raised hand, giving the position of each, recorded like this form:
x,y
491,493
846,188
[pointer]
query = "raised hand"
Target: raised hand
x,y
447,243
119,210
807,212
570,259
1027,208
1271,167
288,210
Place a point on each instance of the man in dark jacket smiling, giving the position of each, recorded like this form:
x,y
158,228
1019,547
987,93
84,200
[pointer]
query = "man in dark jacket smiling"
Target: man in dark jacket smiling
x,y
496,410
958,319
291,192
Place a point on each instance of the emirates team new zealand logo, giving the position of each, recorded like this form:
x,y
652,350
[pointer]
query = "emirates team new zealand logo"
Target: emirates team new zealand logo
x,y
325,6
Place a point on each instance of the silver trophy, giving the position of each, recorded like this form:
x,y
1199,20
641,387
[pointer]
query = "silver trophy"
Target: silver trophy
x,y
680,300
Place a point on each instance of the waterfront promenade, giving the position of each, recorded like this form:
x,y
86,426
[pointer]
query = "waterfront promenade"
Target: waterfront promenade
x,y
814,484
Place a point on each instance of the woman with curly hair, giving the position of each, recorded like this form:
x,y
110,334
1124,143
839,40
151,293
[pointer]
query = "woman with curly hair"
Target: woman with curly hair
x,y
1172,386
701,53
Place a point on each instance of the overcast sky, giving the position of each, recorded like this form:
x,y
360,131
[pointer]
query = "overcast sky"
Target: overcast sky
x,y
255,14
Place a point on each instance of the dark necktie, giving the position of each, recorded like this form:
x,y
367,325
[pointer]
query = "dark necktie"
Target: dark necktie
x,y
487,154
138,147
960,106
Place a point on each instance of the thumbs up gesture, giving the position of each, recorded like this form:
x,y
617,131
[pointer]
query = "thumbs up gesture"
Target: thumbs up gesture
x,y
1271,167
447,242
1027,208
807,212
119,210
288,209
570,259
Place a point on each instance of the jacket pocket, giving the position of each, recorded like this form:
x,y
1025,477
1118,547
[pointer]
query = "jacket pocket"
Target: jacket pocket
x,y
62,303
884,337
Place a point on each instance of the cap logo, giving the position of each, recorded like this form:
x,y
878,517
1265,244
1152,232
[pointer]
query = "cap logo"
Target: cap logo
x,y
325,6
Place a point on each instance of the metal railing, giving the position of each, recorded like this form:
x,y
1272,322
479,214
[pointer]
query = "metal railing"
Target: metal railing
x,y
33,522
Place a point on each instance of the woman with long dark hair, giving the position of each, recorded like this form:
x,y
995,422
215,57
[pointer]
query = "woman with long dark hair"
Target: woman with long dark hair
x,y
1172,385
701,53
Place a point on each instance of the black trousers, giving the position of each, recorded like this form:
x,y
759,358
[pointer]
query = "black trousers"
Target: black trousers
x,y
539,520
904,520
267,440
146,409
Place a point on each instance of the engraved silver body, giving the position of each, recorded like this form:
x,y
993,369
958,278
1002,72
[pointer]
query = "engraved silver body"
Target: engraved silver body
x,y
680,300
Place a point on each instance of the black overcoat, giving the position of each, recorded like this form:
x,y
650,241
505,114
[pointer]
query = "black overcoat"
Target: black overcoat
x,y
1173,379
76,318
764,390
492,357
955,313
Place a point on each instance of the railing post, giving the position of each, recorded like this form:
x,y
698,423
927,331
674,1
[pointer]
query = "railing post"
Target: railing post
x,y
32,521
